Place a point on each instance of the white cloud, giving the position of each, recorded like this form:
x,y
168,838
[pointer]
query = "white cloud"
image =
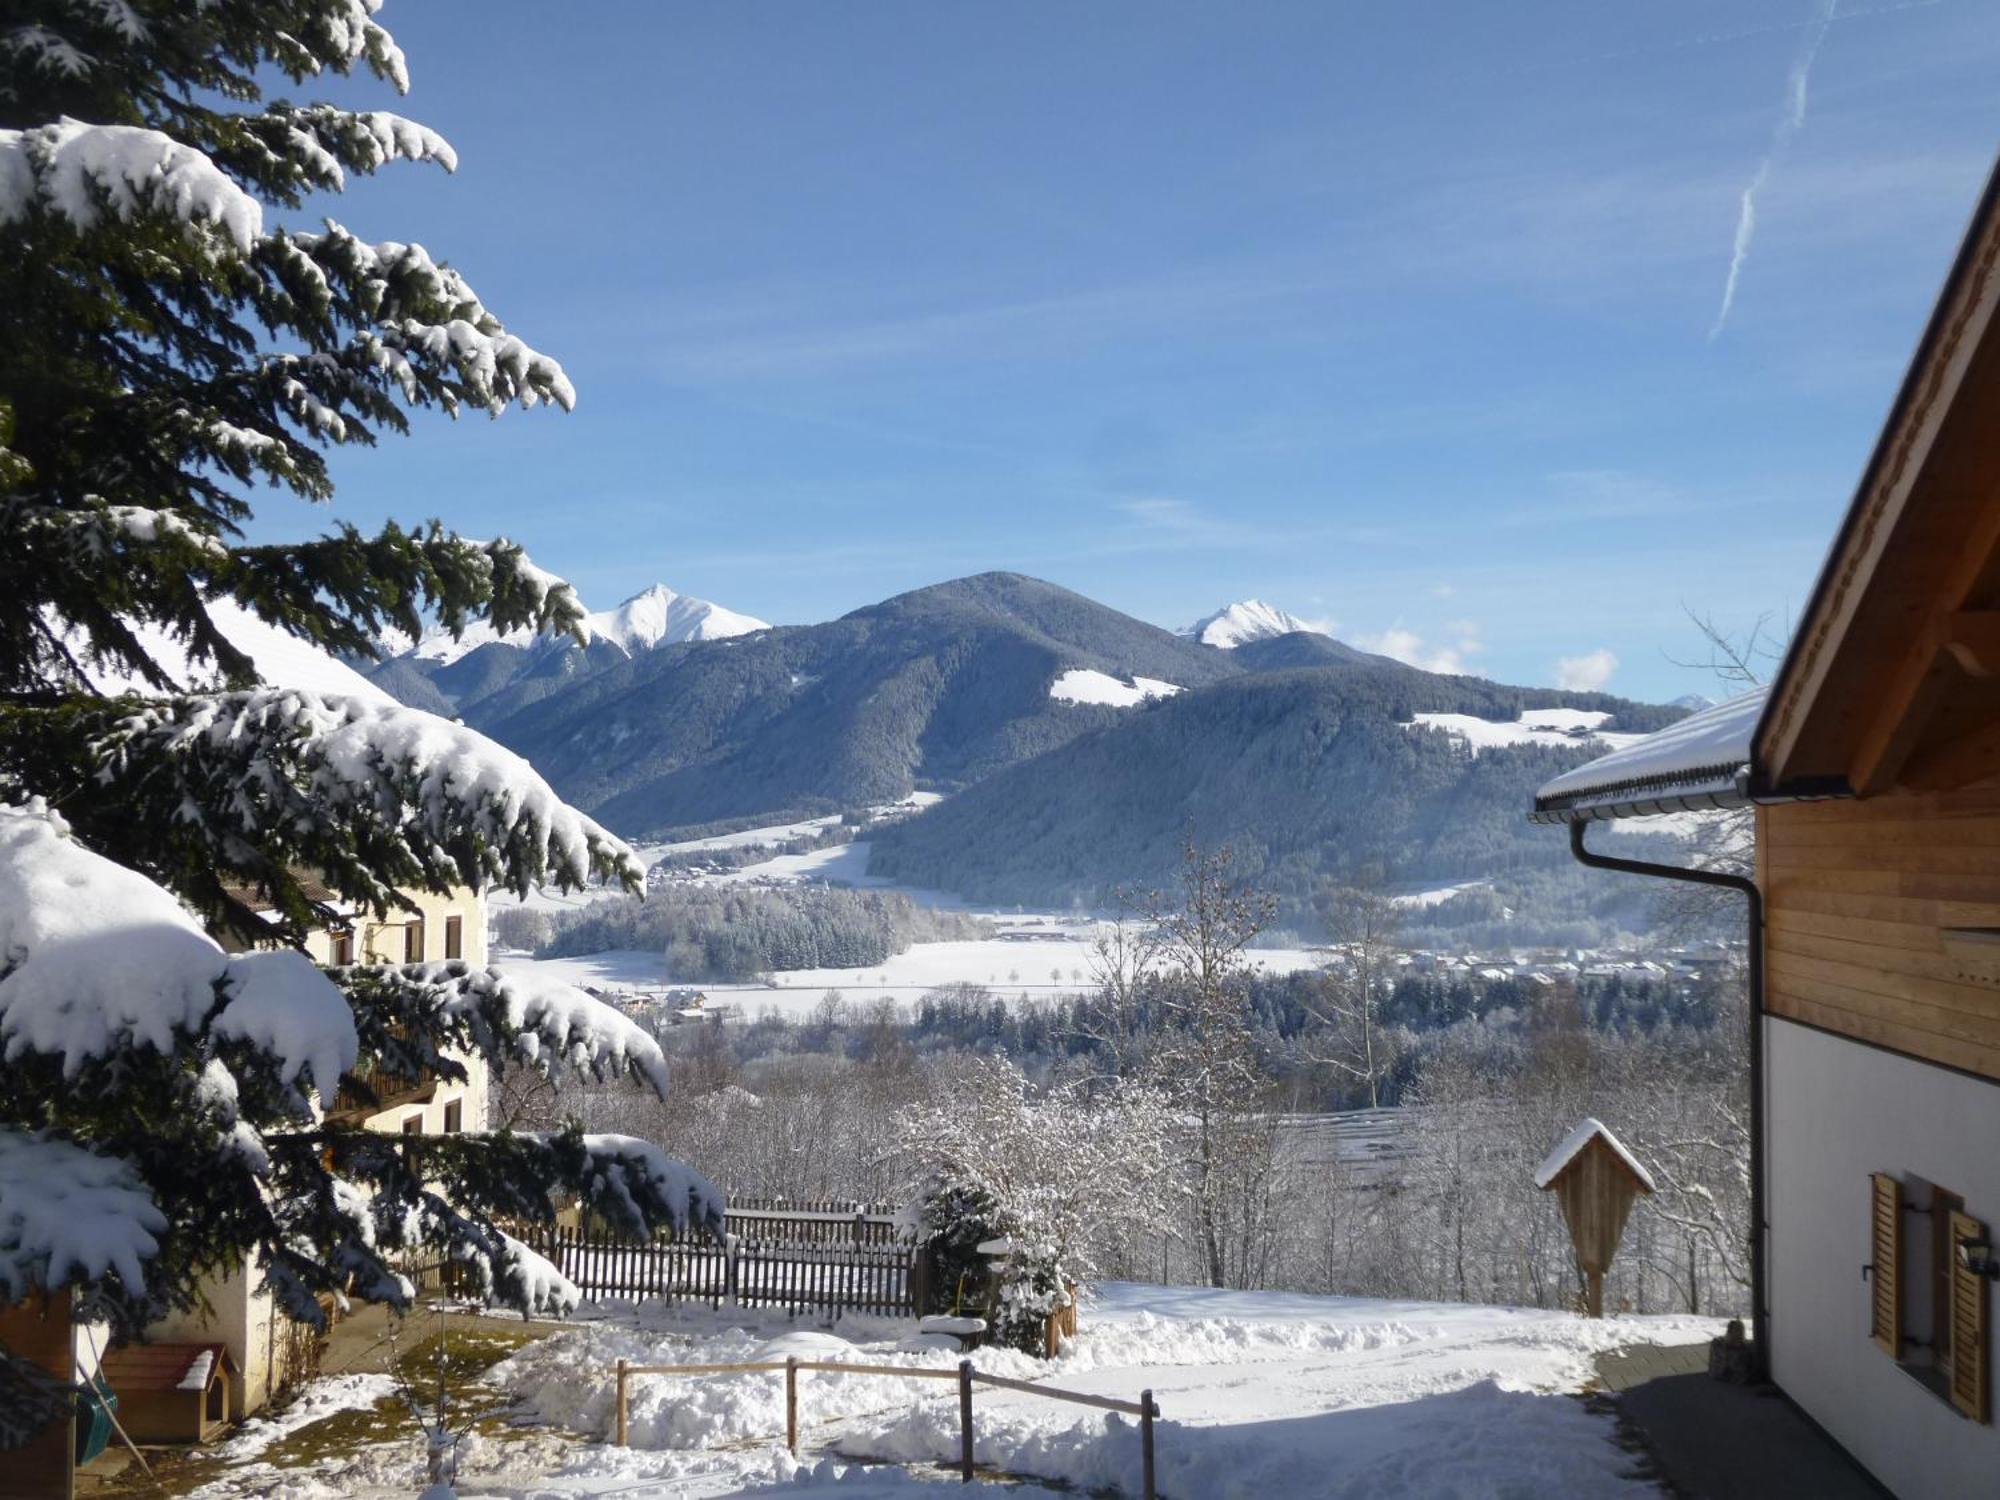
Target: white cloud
x,y
1586,673
1407,646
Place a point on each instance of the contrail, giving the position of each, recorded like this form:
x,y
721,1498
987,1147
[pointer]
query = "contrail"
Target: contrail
x,y
1788,126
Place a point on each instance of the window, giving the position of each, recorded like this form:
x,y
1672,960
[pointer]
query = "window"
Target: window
x,y
454,1117
1927,1308
340,947
413,1124
454,937
413,941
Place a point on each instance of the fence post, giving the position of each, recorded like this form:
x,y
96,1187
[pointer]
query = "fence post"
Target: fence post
x,y
965,1420
621,1404
730,1244
792,1403
1146,1411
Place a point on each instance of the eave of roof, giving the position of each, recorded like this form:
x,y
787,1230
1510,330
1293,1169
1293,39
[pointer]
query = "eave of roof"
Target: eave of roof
x,y
1699,764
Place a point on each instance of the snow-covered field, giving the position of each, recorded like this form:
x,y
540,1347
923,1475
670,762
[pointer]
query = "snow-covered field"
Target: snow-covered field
x,y
1535,726
1264,1395
1048,966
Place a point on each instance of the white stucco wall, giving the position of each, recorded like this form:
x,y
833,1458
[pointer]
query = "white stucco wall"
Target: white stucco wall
x,y
1839,1111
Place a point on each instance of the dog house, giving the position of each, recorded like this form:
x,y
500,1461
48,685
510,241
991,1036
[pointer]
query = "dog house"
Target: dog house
x,y
171,1393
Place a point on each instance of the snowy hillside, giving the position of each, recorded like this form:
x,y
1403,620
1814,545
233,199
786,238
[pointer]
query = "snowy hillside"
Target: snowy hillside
x,y
657,616
1535,726
1247,620
1082,685
283,660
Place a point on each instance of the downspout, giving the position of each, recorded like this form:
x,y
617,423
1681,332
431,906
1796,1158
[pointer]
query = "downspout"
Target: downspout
x,y
1760,1317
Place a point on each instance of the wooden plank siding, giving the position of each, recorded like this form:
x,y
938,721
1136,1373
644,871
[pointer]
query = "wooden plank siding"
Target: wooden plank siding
x,y
1858,896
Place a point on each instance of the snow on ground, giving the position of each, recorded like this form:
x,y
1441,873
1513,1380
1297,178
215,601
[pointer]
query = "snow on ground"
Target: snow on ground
x,y
1082,685
1535,726
1045,958
1264,1395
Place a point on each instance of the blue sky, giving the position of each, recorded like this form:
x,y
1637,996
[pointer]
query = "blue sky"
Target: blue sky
x,y
1403,317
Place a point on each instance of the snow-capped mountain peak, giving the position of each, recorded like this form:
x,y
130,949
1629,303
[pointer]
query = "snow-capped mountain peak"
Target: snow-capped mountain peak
x,y
1247,620
659,616
656,616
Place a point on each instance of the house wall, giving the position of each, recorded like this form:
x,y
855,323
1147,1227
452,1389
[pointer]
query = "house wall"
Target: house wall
x,y
382,942
245,1319
1838,1111
1858,894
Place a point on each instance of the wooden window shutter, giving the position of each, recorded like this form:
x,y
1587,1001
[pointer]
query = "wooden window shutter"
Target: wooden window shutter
x,y
1885,1225
1970,1383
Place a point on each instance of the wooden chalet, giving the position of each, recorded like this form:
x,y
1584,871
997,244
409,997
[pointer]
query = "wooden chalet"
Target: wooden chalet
x,y
1873,765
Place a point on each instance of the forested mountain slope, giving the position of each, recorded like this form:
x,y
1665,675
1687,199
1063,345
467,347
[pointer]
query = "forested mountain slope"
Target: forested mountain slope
x,y
935,688
1309,774
1076,765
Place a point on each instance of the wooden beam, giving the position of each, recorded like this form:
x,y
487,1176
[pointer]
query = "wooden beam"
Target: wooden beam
x,y
1969,757
1926,677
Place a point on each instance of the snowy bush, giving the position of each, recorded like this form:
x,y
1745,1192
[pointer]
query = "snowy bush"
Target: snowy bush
x,y
1054,1175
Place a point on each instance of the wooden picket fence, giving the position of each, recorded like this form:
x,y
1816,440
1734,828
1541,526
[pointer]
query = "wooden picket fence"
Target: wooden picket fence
x,y
829,1274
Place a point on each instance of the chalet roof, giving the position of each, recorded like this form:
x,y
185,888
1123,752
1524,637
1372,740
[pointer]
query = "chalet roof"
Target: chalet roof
x,y
163,1367
1586,1131
1701,762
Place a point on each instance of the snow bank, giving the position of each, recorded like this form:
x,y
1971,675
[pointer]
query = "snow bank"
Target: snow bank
x,y
1082,685
1480,1441
66,1212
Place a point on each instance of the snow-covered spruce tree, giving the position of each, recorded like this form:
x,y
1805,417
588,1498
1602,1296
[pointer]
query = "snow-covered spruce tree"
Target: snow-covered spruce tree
x,y
168,348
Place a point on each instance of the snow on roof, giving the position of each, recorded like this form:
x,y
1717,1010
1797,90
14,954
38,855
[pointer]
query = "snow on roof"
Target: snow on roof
x,y
66,1212
1586,1131
1699,759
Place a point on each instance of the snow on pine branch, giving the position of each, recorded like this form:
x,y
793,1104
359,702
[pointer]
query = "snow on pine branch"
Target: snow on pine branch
x,y
80,172
67,1213
331,774
96,960
528,1018
637,1183
426,310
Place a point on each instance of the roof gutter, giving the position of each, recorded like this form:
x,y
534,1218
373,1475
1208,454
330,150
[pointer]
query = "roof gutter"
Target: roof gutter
x,y
1760,1316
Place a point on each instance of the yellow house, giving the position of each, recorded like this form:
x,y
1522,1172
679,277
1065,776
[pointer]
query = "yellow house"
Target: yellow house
x,y
269,1351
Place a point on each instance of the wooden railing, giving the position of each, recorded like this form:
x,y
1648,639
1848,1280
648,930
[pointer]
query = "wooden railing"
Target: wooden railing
x,y
838,1275
389,1090
1146,1409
